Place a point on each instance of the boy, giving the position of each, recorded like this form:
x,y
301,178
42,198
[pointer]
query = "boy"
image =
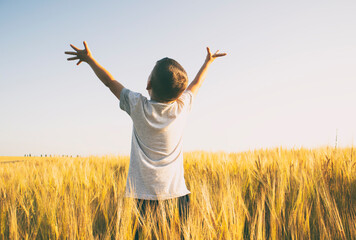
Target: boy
x,y
156,160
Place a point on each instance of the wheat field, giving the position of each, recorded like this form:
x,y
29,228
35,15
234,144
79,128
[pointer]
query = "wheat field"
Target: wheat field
x,y
262,194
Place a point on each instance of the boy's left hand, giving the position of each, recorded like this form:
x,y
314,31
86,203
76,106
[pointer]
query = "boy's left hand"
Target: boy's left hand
x,y
211,57
83,55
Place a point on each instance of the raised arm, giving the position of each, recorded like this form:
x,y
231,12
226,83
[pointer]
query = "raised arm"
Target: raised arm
x,y
86,56
200,77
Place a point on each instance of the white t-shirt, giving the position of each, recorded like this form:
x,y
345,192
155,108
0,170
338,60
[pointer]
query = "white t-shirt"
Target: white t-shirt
x,y
156,160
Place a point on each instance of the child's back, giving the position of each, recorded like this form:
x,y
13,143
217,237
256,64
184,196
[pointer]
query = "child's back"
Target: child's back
x,y
156,161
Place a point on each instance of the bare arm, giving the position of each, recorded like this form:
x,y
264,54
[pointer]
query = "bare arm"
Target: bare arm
x,y
86,56
200,77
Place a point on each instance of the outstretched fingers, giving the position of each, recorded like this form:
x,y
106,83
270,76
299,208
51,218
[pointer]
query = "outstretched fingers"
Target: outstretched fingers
x,y
216,54
208,50
71,53
219,54
85,45
80,55
72,58
74,47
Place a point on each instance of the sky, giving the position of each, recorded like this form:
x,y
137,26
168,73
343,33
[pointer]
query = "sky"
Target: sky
x,y
289,78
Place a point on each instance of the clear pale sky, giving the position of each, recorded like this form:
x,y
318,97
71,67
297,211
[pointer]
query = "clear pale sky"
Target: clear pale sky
x,y
289,78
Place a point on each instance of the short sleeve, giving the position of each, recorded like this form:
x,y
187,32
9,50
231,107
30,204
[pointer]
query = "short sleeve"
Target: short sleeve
x,y
128,100
187,99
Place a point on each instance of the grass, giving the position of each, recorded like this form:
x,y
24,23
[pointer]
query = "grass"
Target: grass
x,y
261,194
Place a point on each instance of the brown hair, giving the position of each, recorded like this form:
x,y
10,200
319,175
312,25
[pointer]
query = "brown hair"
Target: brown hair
x,y
168,80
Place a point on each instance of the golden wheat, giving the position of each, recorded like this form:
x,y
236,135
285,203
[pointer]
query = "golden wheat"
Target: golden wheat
x,y
261,194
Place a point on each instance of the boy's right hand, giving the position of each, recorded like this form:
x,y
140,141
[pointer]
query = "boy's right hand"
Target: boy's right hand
x,y
83,55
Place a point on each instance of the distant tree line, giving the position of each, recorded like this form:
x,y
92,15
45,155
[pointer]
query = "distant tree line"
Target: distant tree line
x,y
49,155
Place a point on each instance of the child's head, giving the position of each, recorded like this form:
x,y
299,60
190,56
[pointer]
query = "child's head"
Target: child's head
x,y
167,81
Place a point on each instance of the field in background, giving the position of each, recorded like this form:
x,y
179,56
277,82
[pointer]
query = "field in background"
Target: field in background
x,y
262,194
